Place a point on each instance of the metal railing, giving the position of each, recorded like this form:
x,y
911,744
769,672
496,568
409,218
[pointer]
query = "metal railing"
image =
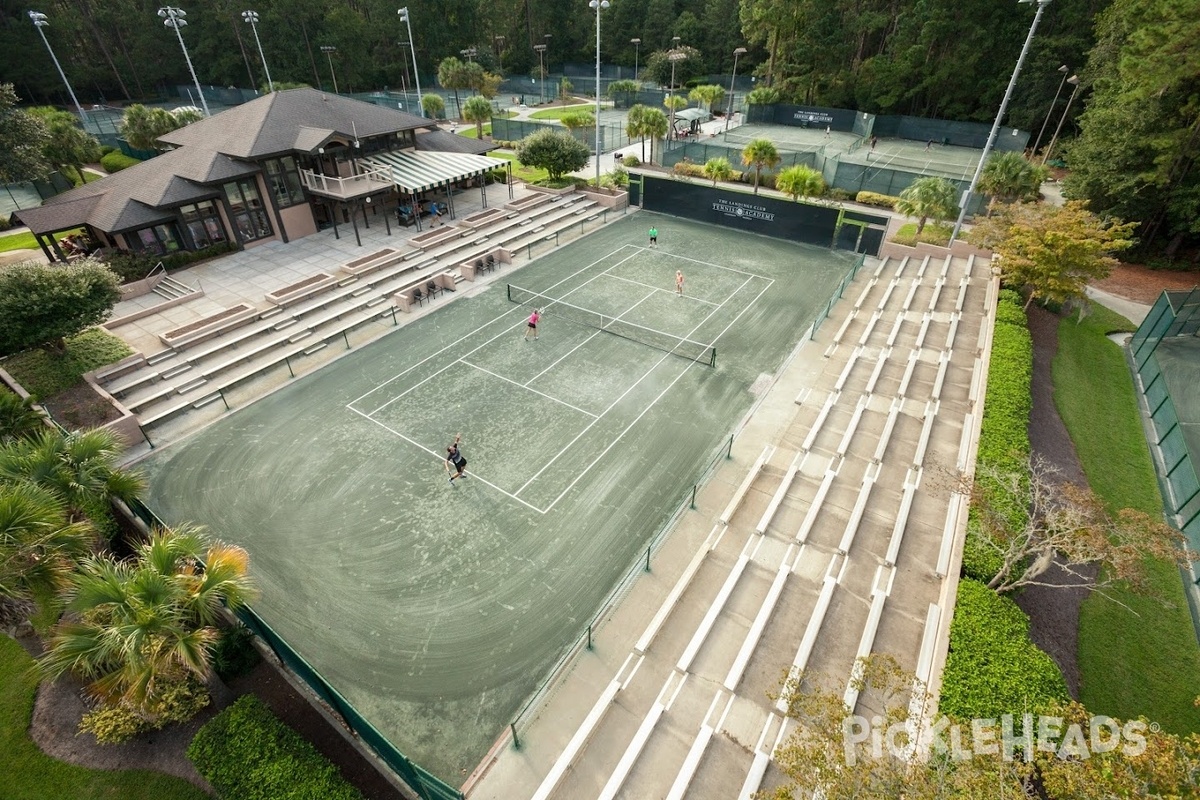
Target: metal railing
x,y
371,180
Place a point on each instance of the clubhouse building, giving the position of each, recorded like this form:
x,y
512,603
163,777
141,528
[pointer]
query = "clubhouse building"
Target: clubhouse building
x,y
275,169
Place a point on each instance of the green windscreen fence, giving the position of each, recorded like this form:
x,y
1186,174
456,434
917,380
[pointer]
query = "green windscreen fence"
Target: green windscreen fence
x,y
427,786
1166,355
514,130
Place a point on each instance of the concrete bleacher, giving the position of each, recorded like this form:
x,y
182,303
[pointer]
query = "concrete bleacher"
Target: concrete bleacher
x,y
854,455
205,357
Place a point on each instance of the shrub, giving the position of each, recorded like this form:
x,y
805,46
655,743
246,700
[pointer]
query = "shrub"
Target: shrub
x,y
5,222
134,267
117,161
686,169
1004,432
245,752
876,199
43,303
234,654
179,702
993,668
630,161
840,195
112,725
106,149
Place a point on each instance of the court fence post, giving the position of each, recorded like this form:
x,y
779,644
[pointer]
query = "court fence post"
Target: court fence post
x,y
516,741
223,400
346,336
647,559
288,360
589,644
729,451
693,504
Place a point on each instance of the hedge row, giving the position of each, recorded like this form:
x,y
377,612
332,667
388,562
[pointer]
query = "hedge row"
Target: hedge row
x,y
876,199
993,668
1004,435
246,753
117,161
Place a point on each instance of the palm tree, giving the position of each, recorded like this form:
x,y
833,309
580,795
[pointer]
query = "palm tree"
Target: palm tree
x,y
433,105
79,469
1009,177
719,169
760,153
18,419
578,120
654,125
454,74
141,627
478,110
39,548
635,123
710,94
801,180
927,198
141,126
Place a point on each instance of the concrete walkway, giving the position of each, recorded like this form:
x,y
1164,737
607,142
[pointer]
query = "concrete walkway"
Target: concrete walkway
x,y
1132,311
828,535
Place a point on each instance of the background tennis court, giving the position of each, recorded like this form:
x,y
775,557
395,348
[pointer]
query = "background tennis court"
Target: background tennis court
x,y
438,609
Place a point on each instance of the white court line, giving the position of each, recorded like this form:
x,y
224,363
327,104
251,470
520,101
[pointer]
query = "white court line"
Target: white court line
x,y
526,388
653,402
560,358
658,288
456,342
474,475
705,263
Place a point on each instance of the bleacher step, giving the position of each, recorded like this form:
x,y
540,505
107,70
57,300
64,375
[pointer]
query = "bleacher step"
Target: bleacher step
x,y
179,369
308,351
287,323
160,356
297,337
196,384
271,312
208,398
347,281
360,291
376,302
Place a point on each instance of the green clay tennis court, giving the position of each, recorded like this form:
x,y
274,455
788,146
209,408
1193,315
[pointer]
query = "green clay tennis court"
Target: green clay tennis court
x,y
438,609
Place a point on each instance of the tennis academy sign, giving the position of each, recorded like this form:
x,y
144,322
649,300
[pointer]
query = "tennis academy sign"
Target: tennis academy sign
x,y
736,207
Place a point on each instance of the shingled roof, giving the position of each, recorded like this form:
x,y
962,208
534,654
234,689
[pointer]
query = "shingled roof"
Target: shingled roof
x,y
213,151
294,119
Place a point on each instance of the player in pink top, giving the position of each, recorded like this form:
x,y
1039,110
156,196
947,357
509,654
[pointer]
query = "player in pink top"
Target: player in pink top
x,y
679,282
531,326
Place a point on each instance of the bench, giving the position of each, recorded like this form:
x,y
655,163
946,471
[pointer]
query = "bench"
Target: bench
x,y
209,326
301,290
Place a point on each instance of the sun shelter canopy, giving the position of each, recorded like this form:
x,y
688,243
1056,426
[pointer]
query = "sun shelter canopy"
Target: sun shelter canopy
x,y
420,171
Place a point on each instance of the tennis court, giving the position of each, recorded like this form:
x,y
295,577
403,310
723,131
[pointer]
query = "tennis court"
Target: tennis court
x,y
437,609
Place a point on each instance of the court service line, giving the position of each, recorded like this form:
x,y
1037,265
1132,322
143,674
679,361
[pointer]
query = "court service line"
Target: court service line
x,y
560,358
705,263
659,289
526,388
438,456
628,427
492,321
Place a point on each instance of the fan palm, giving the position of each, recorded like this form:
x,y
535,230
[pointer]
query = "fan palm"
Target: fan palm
x,y
142,626
77,468
654,125
760,153
719,169
478,110
39,548
927,198
1009,177
801,181
18,419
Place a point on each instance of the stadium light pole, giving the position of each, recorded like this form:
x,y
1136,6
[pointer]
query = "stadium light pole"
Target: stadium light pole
x,y
252,18
329,50
966,198
416,73
1074,81
174,18
674,57
39,21
541,50
598,5
1065,70
469,54
732,79
637,47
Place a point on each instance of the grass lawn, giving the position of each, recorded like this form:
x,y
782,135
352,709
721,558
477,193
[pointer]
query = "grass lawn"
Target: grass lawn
x,y
30,774
45,374
520,171
932,233
561,111
1142,661
469,130
25,241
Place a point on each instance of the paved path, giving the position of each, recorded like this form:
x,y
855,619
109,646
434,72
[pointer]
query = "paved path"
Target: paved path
x,y
1132,311
810,546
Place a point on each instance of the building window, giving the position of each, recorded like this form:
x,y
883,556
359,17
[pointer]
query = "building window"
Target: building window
x,y
203,224
246,206
158,239
283,176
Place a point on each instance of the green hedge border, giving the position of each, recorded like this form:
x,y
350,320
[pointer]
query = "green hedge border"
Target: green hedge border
x,y
247,753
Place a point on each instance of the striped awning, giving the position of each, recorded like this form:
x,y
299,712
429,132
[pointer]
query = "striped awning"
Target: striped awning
x,y
420,171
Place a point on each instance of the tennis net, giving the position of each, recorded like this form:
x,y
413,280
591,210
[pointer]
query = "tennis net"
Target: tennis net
x,y
675,345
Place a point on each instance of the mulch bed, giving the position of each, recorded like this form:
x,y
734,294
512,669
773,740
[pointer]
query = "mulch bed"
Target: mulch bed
x,y
80,407
1143,285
